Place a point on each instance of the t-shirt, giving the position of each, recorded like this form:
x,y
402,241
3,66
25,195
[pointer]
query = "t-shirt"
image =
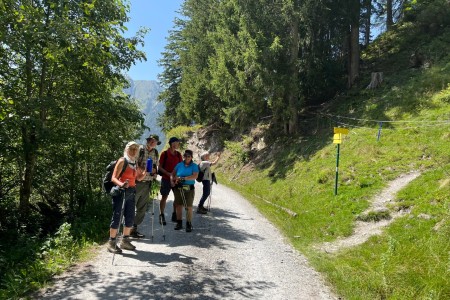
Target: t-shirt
x,y
169,163
205,166
154,156
184,171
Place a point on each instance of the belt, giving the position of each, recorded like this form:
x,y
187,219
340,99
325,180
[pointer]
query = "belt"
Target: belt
x,y
187,187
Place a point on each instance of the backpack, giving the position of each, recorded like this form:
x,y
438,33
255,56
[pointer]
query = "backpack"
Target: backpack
x,y
107,183
200,176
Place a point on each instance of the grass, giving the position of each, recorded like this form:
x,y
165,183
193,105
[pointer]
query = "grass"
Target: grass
x,y
411,259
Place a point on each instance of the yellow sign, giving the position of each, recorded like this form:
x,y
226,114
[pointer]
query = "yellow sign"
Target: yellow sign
x,y
337,138
341,130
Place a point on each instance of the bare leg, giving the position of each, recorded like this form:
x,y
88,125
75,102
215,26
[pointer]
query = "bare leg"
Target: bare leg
x,y
162,203
179,210
189,214
112,232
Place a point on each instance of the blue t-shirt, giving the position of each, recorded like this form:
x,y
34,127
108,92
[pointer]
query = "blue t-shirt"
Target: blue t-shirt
x,y
183,171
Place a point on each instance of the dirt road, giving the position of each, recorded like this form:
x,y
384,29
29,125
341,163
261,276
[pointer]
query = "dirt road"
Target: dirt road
x,y
232,253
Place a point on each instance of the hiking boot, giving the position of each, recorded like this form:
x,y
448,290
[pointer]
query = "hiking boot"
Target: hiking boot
x,y
188,226
162,219
136,234
174,217
179,225
112,247
202,210
126,245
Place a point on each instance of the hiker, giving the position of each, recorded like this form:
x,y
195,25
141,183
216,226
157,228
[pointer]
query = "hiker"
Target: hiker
x,y
126,182
167,162
144,186
183,180
205,167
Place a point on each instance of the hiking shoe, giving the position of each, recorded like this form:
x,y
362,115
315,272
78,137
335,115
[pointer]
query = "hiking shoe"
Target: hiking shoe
x,y
126,245
174,217
112,247
179,226
202,210
188,226
136,234
162,219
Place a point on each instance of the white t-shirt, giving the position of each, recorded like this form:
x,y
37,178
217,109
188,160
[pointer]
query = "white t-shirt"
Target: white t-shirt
x,y
205,166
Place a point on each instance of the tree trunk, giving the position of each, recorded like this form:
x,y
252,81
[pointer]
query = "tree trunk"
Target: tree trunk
x,y
292,93
353,55
29,149
353,68
367,24
377,79
389,18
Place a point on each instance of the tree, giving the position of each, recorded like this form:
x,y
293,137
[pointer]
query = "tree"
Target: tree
x,y
60,68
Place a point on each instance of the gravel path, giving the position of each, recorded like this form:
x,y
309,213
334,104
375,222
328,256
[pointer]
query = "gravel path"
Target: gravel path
x,y
232,253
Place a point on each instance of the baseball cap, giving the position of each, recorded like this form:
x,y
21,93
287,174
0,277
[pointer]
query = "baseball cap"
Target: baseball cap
x,y
173,139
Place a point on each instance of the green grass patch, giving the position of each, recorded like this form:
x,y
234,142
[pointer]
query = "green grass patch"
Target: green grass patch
x,y
411,258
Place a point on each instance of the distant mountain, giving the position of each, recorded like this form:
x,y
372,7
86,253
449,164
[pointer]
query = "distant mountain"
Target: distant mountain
x,y
146,92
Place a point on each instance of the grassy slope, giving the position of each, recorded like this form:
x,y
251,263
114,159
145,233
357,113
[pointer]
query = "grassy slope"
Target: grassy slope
x,y
411,259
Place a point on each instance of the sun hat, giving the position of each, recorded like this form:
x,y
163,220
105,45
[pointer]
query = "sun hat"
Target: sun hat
x,y
154,136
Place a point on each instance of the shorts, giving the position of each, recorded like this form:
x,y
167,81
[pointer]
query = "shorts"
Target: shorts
x,y
189,193
165,187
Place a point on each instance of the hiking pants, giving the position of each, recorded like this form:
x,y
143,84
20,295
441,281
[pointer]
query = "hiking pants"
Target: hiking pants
x,y
206,192
129,208
142,198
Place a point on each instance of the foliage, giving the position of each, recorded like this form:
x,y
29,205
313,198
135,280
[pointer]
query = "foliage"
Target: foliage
x,y
63,117
232,62
409,260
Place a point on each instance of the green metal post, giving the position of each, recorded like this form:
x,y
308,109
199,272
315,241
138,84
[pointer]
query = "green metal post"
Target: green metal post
x,y
337,170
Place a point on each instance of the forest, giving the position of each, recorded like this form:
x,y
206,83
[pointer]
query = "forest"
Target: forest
x,y
64,115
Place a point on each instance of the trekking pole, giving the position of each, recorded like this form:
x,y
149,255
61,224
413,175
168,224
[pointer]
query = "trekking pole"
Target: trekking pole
x,y
162,226
120,222
153,215
210,196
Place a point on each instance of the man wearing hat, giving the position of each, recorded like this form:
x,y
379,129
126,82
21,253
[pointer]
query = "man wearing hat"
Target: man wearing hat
x,y
167,162
143,187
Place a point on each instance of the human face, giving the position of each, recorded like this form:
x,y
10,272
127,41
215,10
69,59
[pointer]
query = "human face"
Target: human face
x,y
151,143
187,157
132,151
175,145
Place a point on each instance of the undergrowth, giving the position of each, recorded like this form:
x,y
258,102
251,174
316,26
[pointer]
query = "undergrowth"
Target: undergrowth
x,y
400,127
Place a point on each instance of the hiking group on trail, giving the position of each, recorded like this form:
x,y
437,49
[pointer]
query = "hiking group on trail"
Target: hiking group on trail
x,y
131,180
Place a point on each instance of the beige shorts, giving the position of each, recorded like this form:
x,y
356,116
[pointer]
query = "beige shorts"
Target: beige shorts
x,y
188,195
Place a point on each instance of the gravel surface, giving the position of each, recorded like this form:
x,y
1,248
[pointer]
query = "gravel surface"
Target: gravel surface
x,y
232,253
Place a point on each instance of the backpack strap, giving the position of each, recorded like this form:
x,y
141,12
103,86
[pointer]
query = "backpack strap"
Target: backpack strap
x,y
165,159
125,164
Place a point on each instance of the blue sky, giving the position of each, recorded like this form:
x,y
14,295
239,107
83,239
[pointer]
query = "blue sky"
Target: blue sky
x,y
157,15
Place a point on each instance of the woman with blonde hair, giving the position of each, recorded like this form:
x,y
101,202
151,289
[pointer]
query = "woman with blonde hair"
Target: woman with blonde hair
x,y
125,179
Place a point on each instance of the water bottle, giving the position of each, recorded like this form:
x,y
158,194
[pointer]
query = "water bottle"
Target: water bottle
x,y
149,165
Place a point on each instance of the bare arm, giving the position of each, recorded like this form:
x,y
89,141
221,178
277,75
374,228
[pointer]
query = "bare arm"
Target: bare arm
x,y
217,159
117,170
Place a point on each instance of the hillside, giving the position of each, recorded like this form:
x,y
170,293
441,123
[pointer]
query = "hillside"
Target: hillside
x,y
146,92
399,128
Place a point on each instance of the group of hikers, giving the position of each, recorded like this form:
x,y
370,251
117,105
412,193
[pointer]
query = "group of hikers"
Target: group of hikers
x,y
134,180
